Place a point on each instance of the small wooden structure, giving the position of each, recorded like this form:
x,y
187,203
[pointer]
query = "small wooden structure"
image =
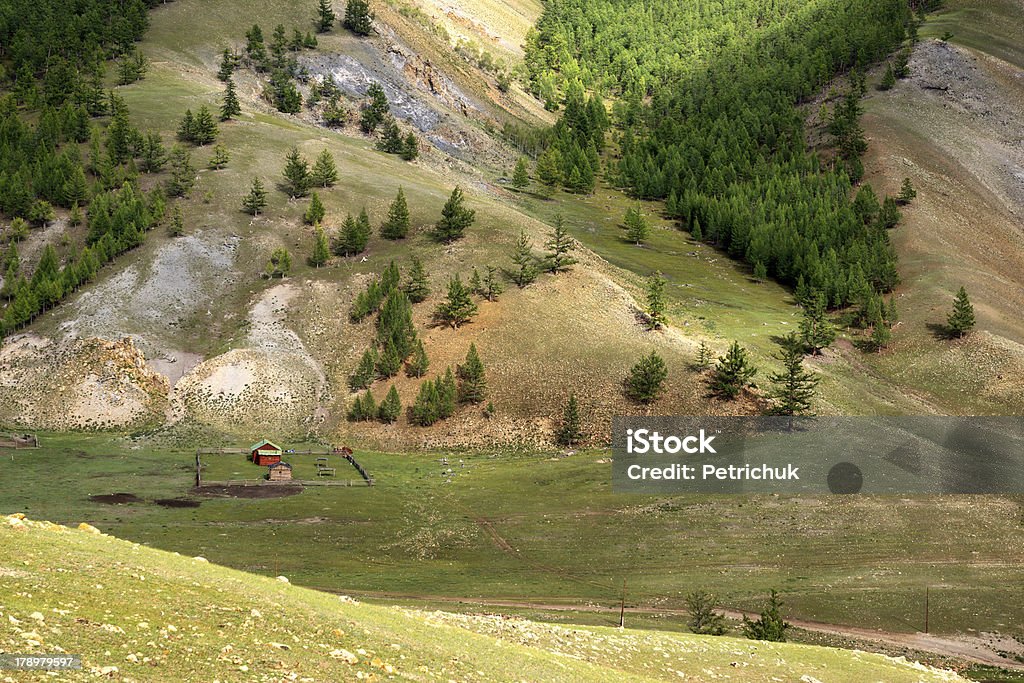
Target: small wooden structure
x,y
265,453
279,471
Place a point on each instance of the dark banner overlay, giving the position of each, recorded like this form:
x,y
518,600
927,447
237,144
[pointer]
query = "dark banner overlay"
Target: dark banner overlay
x,y
881,455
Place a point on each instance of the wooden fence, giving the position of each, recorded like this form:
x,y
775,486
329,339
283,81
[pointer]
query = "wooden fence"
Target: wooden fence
x,y
366,481
291,482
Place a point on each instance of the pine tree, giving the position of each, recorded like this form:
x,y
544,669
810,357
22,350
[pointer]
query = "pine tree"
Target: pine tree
x,y
703,356
75,189
733,372
695,232
549,169
637,227
571,431
418,362
410,147
704,620
447,394
177,228
458,308
296,174
357,17
183,174
559,245
907,192
154,155
204,128
325,16
889,79
418,287
227,65
75,218
656,301
321,252
793,388
389,362
220,157
881,335
256,200
396,226
455,218
816,331
230,108
364,408
187,127
526,263
279,264
521,176
472,386
770,625
352,239
491,287
255,48
391,407
325,172
646,379
760,272
889,216
365,372
391,140
425,411
375,111
476,285
961,320
315,212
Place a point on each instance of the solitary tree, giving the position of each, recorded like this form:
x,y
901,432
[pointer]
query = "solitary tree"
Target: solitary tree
x,y
961,320
315,212
296,174
455,218
524,260
490,287
703,356
204,128
365,371
472,383
353,238
793,388
646,379
325,172
321,251
324,16
703,617
521,175
458,308
418,287
279,264
396,226
656,301
907,192
559,245
357,17
220,157
571,431
733,372
230,108
391,407
770,625
256,200
637,227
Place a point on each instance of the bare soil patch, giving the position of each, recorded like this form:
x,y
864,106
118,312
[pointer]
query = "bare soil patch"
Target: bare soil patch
x,y
248,491
177,502
115,498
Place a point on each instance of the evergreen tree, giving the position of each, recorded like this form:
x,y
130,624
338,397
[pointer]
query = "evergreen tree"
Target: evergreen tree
x,y
227,65
521,176
325,18
656,301
388,362
364,408
559,245
325,172
352,239
321,252
703,356
733,372
365,372
396,226
220,157
375,110
704,619
455,218
760,272
418,287
907,192
793,388
357,17
183,174
889,216
204,128
255,48
279,264
770,625
296,174
447,394
961,320
315,212
816,331
410,147
472,387
491,287
391,407
458,308
476,285
230,108
391,140
889,79
646,379
425,411
256,200
187,127
418,362
177,228
549,169
75,189
524,260
695,232
637,227
154,155
570,432
881,335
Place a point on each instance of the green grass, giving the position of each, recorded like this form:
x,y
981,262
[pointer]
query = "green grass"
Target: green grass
x,y
157,616
989,26
862,561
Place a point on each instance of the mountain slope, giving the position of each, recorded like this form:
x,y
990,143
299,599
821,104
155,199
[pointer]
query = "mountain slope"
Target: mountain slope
x,y
142,614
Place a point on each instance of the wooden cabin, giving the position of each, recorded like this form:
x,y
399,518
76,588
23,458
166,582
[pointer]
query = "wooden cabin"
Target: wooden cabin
x,y
265,453
279,471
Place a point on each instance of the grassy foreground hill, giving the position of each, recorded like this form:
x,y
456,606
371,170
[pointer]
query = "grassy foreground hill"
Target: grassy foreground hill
x,y
135,613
